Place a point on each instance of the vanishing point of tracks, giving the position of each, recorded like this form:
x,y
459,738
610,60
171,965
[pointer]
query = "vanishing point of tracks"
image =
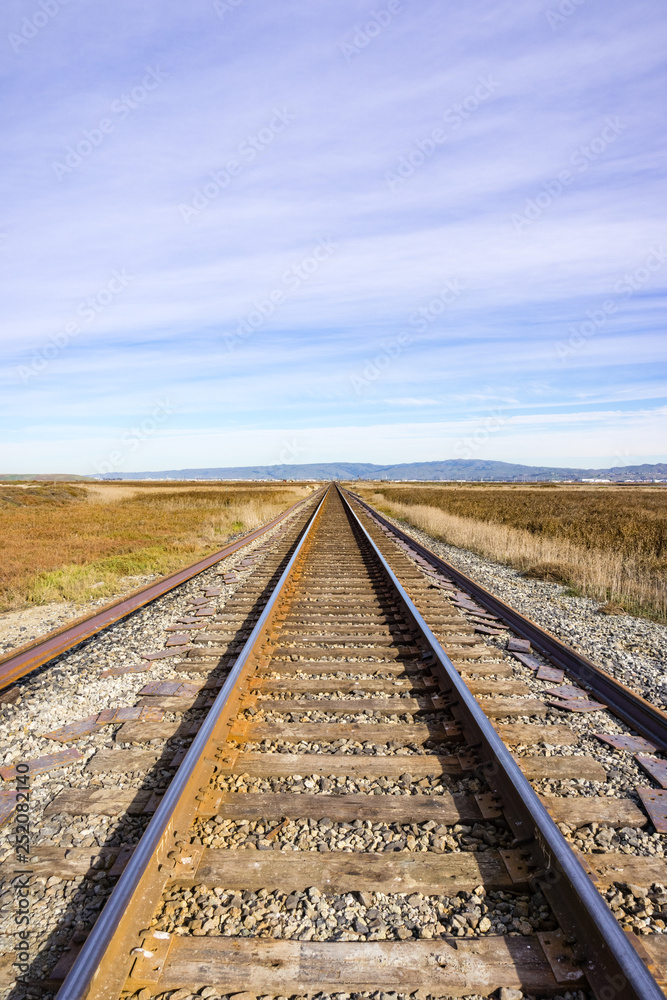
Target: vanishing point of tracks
x,y
339,891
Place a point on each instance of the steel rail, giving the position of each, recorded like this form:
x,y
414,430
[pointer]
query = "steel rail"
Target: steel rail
x,y
86,968
35,654
611,963
629,706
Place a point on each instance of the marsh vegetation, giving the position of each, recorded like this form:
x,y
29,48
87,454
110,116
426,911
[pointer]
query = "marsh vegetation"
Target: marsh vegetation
x,y
62,542
607,542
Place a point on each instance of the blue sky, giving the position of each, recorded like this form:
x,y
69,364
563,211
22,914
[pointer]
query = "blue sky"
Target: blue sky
x,y
247,232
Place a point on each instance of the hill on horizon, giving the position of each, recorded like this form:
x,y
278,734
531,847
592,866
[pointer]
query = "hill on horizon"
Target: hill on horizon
x,y
472,470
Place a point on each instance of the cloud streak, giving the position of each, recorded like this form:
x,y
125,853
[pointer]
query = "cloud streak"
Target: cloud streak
x,y
519,93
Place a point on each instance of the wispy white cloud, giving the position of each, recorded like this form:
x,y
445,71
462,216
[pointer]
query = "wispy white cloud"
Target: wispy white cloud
x,y
411,401
323,176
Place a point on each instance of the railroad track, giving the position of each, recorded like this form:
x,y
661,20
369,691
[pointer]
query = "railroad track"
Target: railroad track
x,y
356,810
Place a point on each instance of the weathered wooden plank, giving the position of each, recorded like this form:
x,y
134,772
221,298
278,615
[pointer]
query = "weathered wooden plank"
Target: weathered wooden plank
x,y
370,624
464,651
468,670
514,734
450,967
221,641
346,685
486,687
317,617
438,615
362,668
65,862
501,707
627,868
340,872
580,810
98,802
460,656
333,638
495,708
8,803
526,734
320,622
586,768
327,732
221,632
260,765
342,652
387,706
446,809
203,665
213,652
359,579
403,683
134,732
125,761
332,606
316,667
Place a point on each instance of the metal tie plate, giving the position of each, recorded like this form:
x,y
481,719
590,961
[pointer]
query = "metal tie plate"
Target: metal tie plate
x,y
152,955
560,958
624,741
654,801
518,646
48,762
656,768
75,730
181,639
528,661
577,705
550,674
568,692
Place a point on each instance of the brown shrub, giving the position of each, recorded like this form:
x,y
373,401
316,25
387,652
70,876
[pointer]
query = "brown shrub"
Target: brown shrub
x,y
551,572
612,608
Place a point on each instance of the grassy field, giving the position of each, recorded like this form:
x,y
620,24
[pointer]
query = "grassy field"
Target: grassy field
x,y
78,542
608,542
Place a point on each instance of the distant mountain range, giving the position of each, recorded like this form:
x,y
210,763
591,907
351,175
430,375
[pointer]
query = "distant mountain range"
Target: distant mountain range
x,y
453,469
41,477
471,470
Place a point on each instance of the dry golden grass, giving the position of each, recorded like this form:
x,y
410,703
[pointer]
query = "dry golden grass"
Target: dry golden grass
x,y
610,544
62,542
